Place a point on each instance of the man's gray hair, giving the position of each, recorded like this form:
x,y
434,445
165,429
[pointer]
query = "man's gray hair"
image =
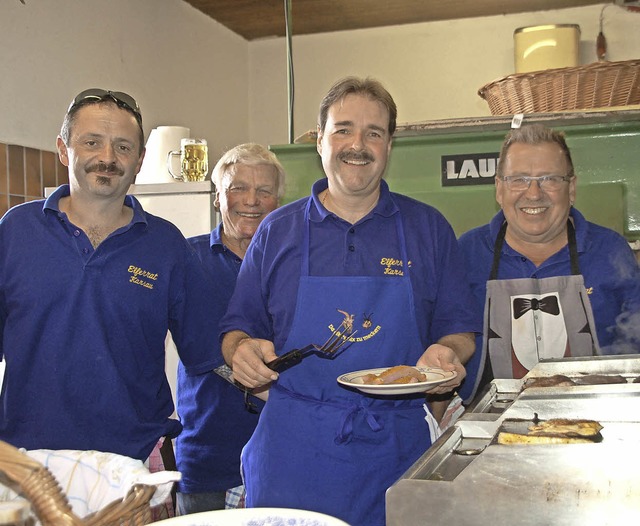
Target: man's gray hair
x,y
250,154
536,134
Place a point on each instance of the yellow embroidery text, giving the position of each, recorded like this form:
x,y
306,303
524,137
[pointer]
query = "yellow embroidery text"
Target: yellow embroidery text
x,y
141,277
393,267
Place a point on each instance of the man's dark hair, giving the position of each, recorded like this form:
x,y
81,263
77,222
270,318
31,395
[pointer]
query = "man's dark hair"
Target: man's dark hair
x,y
353,85
69,118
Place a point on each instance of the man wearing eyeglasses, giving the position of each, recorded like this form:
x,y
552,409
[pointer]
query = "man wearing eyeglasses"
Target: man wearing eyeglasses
x,y
558,285
89,286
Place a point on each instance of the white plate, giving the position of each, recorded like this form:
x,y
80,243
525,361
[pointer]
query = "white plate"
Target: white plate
x,y
434,377
254,517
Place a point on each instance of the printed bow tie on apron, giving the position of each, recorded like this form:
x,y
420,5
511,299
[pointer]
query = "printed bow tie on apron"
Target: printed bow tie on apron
x,y
548,304
532,319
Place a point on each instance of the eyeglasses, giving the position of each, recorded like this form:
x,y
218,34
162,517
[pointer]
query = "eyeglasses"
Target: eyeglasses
x,y
549,183
120,98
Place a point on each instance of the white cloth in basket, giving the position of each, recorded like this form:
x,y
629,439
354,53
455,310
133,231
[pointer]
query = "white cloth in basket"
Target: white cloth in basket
x,y
93,479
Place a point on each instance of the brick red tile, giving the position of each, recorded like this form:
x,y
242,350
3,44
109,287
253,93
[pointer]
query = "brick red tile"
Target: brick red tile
x,y
32,172
62,172
4,204
16,170
49,169
16,200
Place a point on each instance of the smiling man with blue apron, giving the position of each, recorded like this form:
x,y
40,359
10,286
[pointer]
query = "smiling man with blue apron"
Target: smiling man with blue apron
x,y
558,286
384,264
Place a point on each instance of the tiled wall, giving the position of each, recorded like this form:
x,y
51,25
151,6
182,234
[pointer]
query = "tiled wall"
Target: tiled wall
x,y
25,172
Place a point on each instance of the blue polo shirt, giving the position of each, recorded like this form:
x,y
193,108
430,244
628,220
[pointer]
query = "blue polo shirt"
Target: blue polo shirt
x,y
215,423
610,270
83,331
263,304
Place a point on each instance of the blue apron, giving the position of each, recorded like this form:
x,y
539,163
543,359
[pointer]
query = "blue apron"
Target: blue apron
x,y
320,446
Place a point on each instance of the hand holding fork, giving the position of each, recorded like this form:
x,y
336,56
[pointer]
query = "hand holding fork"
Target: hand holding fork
x,y
256,348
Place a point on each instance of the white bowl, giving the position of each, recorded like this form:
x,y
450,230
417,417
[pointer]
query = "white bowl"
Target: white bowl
x,y
254,517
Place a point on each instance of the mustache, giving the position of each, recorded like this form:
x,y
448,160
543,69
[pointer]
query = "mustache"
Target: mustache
x,y
103,167
356,156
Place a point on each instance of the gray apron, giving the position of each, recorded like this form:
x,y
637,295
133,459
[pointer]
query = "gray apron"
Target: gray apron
x,y
530,319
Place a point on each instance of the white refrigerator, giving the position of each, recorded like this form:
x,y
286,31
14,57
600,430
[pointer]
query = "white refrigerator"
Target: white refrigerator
x,y
189,206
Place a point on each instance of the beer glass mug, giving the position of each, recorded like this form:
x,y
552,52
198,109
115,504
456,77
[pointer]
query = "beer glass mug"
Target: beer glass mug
x,y
194,160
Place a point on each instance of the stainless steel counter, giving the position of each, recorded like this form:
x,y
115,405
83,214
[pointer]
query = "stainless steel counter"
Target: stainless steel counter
x,y
467,478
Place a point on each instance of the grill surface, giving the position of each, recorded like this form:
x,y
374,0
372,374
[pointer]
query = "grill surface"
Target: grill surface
x,y
466,478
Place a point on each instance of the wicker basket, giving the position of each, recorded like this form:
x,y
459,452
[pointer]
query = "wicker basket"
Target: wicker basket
x,y
598,85
36,483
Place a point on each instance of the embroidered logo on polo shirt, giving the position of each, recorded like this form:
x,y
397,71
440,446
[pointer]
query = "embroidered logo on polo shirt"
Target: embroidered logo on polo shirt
x,y
393,267
590,290
142,277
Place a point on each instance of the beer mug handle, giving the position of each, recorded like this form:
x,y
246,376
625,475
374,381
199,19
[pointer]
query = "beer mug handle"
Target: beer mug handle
x,y
169,159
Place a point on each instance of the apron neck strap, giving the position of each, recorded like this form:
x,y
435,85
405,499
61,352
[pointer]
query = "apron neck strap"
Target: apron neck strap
x,y
571,241
305,266
573,248
497,250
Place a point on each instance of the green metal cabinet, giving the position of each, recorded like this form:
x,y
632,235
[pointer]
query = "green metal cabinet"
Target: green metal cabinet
x,y
605,147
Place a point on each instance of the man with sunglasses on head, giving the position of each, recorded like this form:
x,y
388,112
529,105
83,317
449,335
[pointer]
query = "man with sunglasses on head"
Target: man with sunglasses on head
x,y
89,286
552,284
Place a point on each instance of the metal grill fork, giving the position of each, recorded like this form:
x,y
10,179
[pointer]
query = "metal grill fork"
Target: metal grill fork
x,y
339,337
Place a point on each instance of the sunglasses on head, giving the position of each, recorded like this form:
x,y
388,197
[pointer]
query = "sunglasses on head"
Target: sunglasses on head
x,y
96,95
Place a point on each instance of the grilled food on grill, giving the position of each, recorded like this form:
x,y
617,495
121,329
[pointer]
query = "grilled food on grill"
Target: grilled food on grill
x,y
557,380
516,438
560,380
555,431
597,379
400,374
565,427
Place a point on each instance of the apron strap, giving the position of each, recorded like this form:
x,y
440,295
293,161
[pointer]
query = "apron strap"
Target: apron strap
x,y
349,410
571,242
573,248
487,371
497,250
345,432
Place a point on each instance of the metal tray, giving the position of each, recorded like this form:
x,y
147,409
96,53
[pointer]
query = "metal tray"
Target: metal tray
x,y
624,365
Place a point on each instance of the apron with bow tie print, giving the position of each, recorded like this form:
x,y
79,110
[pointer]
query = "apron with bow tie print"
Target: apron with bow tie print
x,y
530,319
